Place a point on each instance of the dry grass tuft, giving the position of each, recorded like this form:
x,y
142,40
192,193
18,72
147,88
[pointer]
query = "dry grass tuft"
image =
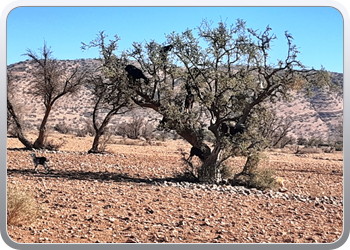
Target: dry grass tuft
x,y
22,208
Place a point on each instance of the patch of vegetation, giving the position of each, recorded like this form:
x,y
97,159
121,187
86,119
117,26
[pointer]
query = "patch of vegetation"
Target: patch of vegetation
x,y
309,151
226,172
263,179
259,178
135,129
87,129
62,128
53,145
22,208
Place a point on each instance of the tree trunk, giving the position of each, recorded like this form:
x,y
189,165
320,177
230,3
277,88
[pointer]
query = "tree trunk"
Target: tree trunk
x,y
209,171
94,148
24,141
244,178
19,130
251,164
99,130
39,142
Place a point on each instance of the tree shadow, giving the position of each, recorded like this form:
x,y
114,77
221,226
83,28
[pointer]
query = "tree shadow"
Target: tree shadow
x,y
96,176
19,149
334,172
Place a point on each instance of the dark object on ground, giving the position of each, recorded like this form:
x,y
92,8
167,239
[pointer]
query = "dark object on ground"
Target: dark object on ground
x,y
40,161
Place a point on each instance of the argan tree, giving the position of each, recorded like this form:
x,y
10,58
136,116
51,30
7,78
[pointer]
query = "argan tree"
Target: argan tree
x,y
108,85
51,82
226,71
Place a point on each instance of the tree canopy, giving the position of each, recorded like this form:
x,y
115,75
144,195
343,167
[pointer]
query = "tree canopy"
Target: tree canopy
x,y
220,80
215,81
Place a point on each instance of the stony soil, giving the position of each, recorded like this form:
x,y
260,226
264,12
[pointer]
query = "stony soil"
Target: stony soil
x,y
132,195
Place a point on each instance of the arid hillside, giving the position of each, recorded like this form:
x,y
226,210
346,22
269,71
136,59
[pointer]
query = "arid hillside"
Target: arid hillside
x,y
318,115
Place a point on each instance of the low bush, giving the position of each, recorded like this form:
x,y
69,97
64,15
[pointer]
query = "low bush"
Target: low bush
x,y
62,128
136,128
22,208
309,151
226,172
50,144
259,178
87,129
263,179
338,146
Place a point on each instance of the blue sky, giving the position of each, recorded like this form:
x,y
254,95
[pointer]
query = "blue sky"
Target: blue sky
x,y
317,31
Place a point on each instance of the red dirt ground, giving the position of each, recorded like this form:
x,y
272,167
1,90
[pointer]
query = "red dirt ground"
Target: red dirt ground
x,y
130,195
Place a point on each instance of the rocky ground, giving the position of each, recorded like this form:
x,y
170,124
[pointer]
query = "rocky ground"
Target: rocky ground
x,y
132,195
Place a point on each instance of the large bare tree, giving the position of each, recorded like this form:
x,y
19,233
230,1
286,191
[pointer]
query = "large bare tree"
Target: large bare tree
x,y
51,82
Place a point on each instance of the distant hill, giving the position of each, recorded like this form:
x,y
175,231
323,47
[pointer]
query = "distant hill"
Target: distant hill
x,y
318,115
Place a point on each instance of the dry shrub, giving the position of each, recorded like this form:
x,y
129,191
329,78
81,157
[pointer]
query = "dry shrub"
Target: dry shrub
x,y
22,208
62,128
263,179
309,151
87,129
328,150
226,172
136,128
53,144
148,131
131,142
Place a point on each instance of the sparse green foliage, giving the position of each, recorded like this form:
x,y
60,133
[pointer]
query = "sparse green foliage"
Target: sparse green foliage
x,y
226,172
263,179
226,69
109,86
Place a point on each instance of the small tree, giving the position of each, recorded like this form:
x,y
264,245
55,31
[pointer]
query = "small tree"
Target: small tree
x,y
109,85
51,82
136,128
275,129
